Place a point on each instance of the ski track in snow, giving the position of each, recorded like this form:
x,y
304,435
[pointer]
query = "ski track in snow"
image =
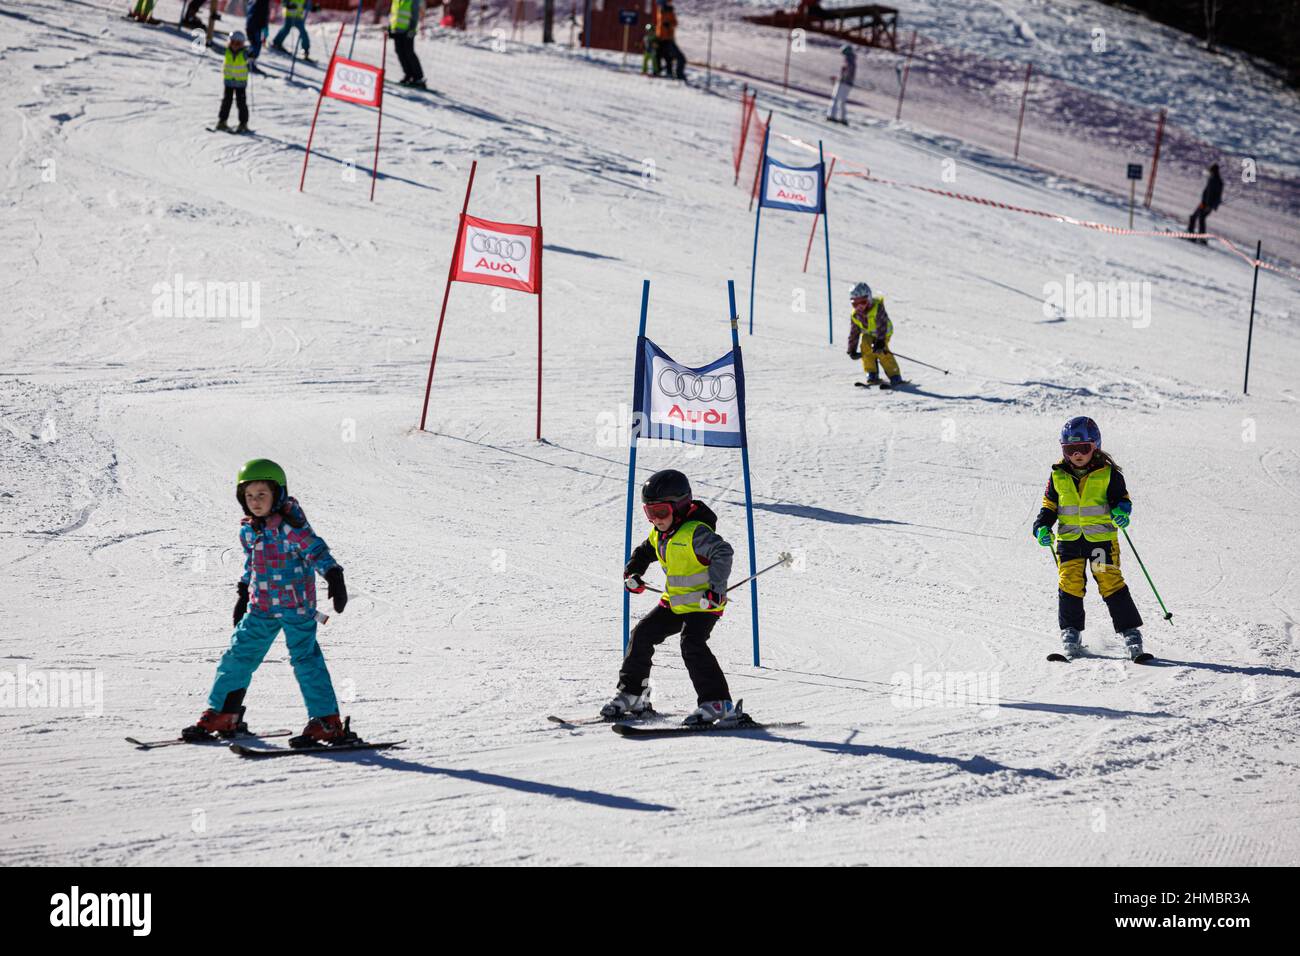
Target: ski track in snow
x,y
484,567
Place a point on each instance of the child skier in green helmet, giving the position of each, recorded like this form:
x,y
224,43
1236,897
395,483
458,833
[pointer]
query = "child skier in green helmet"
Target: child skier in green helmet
x,y
277,591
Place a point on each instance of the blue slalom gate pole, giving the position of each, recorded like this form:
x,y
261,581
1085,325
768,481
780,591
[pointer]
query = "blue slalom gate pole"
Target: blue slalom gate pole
x,y
758,214
631,465
826,234
744,460
356,24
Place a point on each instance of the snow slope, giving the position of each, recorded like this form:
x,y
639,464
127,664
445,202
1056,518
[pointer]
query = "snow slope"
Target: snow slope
x,y
484,566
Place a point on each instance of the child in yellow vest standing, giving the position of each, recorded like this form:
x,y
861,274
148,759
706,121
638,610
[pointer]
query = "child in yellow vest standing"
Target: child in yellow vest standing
x,y
234,74
696,563
1088,500
872,327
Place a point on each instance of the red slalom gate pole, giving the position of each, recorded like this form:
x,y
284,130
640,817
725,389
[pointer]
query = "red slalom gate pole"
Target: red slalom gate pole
x,y
319,99
1155,160
446,293
383,64
539,307
746,112
907,68
829,173
762,160
1029,68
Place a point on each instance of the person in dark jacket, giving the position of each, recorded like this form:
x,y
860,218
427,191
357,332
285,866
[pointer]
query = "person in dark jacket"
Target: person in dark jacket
x,y
255,21
696,562
668,54
1211,197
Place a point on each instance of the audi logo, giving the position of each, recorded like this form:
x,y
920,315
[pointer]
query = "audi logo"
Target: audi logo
x,y
359,77
512,249
713,388
795,180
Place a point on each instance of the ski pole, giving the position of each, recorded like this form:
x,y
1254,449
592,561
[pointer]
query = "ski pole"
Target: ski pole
x,y
1169,615
786,558
919,362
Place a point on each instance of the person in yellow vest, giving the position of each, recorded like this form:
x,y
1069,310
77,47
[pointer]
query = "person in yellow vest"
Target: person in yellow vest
x,y
1087,499
872,328
295,18
234,72
696,562
143,11
403,24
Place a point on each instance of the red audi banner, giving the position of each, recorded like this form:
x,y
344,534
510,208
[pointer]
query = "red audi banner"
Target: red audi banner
x,y
497,253
355,82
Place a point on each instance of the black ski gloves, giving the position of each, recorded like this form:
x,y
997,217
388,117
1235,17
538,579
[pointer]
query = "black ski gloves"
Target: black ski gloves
x,y
241,606
338,591
854,355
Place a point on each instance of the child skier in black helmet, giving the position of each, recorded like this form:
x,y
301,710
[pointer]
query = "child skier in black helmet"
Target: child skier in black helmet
x,y
697,563
277,591
1087,495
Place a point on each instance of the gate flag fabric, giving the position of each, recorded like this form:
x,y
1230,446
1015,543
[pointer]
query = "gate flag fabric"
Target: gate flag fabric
x,y
797,188
696,406
498,253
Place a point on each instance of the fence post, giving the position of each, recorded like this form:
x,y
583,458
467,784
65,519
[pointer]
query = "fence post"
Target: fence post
x,y
1029,68
1245,385
902,87
1155,160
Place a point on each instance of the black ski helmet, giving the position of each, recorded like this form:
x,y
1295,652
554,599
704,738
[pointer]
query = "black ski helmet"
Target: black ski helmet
x,y
667,485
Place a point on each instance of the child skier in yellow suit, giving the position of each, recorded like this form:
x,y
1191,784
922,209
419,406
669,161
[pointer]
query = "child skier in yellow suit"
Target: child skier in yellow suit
x,y
1087,495
872,327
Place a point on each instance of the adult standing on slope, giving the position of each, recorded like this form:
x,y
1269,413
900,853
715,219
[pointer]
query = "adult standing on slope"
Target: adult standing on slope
x,y
255,21
838,112
669,54
403,22
1211,196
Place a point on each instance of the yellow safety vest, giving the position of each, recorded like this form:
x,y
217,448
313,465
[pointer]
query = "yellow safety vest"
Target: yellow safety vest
x,y
688,579
870,327
399,18
235,67
295,10
1083,509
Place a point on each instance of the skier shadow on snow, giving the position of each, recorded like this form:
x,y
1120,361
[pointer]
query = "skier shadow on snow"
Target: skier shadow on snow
x,y
1244,671
549,247
560,792
300,148
977,765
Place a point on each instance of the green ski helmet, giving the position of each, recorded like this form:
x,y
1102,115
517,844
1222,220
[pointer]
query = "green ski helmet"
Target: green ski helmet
x,y
262,469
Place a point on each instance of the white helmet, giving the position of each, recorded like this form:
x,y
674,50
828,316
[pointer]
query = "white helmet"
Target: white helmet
x,y
861,291
238,37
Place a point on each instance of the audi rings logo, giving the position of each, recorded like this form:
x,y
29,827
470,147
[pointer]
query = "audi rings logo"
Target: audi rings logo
x,y
676,383
804,181
512,249
355,77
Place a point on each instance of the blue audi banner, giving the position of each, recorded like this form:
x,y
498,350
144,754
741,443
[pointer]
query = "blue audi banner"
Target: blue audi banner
x,y
797,188
697,406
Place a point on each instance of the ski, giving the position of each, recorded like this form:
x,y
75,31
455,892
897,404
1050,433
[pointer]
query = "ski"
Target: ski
x,y
632,730
1059,658
1062,659
320,749
648,717
232,132
248,735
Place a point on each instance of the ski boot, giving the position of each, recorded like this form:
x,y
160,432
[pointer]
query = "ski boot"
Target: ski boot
x,y
1133,643
279,48
894,382
241,128
626,704
720,713
873,379
213,724
1071,643
223,126
327,731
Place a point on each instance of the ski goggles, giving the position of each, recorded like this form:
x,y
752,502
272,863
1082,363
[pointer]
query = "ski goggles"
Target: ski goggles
x,y
659,510
1078,447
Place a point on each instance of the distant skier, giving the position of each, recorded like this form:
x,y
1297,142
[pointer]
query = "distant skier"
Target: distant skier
x,y
191,16
234,74
650,51
667,54
1087,494
696,563
143,11
872,327
255,21
277,592
1211,197
295,18
403,25
838,112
